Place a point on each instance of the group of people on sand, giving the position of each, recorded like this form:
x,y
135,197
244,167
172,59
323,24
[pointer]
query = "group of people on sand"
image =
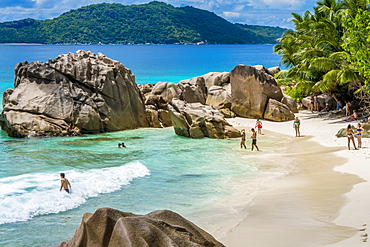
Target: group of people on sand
x,y
258,126
351,136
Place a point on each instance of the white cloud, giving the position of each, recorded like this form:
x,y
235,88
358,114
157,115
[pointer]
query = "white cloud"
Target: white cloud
x,y
277,4
228,15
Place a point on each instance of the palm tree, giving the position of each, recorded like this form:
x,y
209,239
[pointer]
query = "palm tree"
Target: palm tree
x,y
314,50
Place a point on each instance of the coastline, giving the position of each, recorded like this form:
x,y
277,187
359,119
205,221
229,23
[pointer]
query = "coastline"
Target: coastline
x,y
323,203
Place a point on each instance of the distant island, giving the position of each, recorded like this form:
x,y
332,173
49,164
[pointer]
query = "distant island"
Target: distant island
x,y
151,23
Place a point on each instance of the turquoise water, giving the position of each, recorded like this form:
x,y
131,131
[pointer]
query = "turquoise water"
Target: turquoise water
x,y
209,181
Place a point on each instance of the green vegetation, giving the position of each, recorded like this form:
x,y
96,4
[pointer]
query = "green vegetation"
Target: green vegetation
x,y
329,51
155,23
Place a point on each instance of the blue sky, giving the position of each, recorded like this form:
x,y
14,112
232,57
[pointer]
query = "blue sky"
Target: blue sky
x,y
253,12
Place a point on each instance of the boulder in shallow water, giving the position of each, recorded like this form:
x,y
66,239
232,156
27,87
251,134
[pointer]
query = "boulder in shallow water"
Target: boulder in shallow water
x,y
72,94
111,228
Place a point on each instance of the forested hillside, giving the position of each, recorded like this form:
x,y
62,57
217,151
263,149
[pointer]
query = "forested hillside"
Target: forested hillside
x,y
154,23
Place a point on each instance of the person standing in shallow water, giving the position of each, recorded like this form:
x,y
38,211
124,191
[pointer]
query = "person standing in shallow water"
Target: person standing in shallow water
x,y
350,137
254,139
296,125
242,142
64,183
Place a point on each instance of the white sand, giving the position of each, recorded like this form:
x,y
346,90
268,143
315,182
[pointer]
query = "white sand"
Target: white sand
x,y
325,203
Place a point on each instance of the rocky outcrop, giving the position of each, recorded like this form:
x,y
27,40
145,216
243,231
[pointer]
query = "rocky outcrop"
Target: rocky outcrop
x,y
195,120
290,103
70,95
245,92
251,90
109,227
277,111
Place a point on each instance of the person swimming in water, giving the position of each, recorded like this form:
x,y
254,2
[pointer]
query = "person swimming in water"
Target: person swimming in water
x,y
64,183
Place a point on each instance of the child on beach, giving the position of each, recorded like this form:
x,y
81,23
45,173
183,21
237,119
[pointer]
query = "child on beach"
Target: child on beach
x,y
254,139
64,183
350,137
258,126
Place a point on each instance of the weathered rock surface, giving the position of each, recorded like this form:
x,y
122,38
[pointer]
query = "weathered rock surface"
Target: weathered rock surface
x,y
277,111
290,102
109,227
251,90
70,95
245,92
195,120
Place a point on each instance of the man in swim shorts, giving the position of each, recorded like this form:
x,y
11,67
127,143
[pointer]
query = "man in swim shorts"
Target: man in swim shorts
x,y
64,183
254,139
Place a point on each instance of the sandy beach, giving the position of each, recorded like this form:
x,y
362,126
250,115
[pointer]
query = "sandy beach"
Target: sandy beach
x,y
323,203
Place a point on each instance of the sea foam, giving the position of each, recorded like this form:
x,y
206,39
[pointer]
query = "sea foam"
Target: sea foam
x,y
25,196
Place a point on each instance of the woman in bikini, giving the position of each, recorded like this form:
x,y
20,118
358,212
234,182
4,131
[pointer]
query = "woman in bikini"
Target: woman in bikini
x,y
359,130
350,137
296,125
242,142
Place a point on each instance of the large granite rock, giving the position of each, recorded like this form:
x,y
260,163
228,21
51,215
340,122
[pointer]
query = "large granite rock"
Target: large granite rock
x,y
251,89
277,111
219,98
72,94
216,79
111,228
290,102
195,120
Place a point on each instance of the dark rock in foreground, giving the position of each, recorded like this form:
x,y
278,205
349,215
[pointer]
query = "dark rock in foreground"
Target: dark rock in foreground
x,y
70,95
109,227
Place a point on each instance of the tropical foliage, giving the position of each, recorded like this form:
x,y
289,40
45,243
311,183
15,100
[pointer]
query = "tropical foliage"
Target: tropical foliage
x,y
328,51
155,23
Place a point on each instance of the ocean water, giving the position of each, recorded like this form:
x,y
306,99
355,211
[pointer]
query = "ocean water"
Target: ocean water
x,y
210,182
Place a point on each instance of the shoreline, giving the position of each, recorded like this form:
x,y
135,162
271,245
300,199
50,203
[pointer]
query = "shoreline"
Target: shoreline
x,y
323,203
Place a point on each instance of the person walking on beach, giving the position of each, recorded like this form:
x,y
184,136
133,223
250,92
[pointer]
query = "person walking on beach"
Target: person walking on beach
x,y
254,139
359,130
259,126
64,183
350,137
242,142
296,125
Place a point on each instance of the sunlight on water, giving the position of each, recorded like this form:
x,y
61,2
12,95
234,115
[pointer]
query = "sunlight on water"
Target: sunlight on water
x,y
199,179
25,196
